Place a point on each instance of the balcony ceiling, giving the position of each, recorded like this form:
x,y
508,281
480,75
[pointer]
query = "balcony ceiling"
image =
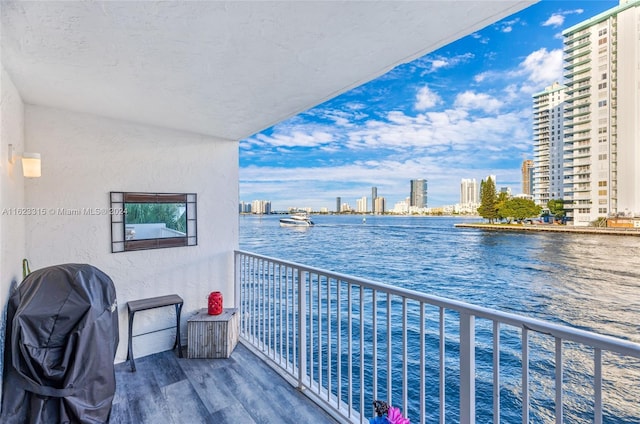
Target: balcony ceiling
x,y
226,69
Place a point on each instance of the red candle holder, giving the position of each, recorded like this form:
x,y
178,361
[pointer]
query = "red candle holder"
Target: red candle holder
x,y
215,303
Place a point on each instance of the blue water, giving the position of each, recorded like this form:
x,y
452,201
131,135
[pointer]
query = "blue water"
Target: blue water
x,y
586,281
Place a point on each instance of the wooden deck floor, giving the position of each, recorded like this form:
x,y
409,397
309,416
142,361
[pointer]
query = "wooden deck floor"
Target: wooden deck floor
x,y
239,390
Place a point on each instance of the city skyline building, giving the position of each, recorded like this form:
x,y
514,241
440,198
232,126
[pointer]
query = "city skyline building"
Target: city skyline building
x,y
260,207
244,207
418,193
548,144
374,196
527,177
380,206
469,196
401,207
338,204
361,205
602,128
469,192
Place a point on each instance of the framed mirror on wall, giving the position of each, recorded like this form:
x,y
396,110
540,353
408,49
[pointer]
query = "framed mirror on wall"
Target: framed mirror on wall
x,y
152,220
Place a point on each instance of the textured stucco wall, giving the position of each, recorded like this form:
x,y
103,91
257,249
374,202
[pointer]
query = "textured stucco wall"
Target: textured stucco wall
x,y
12,240
84,157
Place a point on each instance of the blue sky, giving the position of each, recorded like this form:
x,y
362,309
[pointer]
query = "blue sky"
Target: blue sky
x,y
463,111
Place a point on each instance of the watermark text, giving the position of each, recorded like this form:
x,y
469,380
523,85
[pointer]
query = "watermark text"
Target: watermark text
x,y
61,211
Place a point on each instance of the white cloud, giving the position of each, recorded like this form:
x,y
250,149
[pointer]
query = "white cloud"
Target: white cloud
x,y
507,26
511,92
457,59
480,38
340,118
356,106
452,130
478,101
481,76
398,117
557,19
430,64
296,138
344,117
439,63
554,20
426,99
538,70
543,66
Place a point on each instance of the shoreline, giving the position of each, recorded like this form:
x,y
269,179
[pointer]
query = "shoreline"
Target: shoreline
x,y
553,228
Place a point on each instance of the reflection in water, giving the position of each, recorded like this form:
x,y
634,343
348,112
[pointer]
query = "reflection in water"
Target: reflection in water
x,y
594,284
585,281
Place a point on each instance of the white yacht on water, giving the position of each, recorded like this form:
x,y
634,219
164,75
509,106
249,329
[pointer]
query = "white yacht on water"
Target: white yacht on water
x,y
297,220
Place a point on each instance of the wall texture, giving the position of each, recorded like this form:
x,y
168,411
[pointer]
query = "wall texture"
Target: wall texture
x,y
12,238
11,186
84,157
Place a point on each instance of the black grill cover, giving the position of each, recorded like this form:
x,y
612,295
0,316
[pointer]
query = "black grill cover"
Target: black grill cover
x,y
62,335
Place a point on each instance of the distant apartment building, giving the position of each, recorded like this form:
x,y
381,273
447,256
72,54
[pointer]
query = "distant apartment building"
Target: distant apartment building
x,y
527,177
295,209
469,197
338,204
374,196
361,205
602,115
260,207
418,194
244,207
401,207
548,144
468,191
380,206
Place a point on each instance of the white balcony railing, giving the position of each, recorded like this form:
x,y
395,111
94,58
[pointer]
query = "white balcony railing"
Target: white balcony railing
x,y
345,341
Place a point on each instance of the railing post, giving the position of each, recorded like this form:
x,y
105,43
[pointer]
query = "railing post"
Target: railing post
x,y
525,375
237,258
559,374
597,386
442,383
467,369
496,372
302,330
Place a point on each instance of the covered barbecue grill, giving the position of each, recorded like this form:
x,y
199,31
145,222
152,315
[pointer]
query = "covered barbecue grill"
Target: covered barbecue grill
x,y
62,335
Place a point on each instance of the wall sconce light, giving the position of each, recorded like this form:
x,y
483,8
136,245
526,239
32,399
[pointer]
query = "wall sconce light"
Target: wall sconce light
x,y
30,163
